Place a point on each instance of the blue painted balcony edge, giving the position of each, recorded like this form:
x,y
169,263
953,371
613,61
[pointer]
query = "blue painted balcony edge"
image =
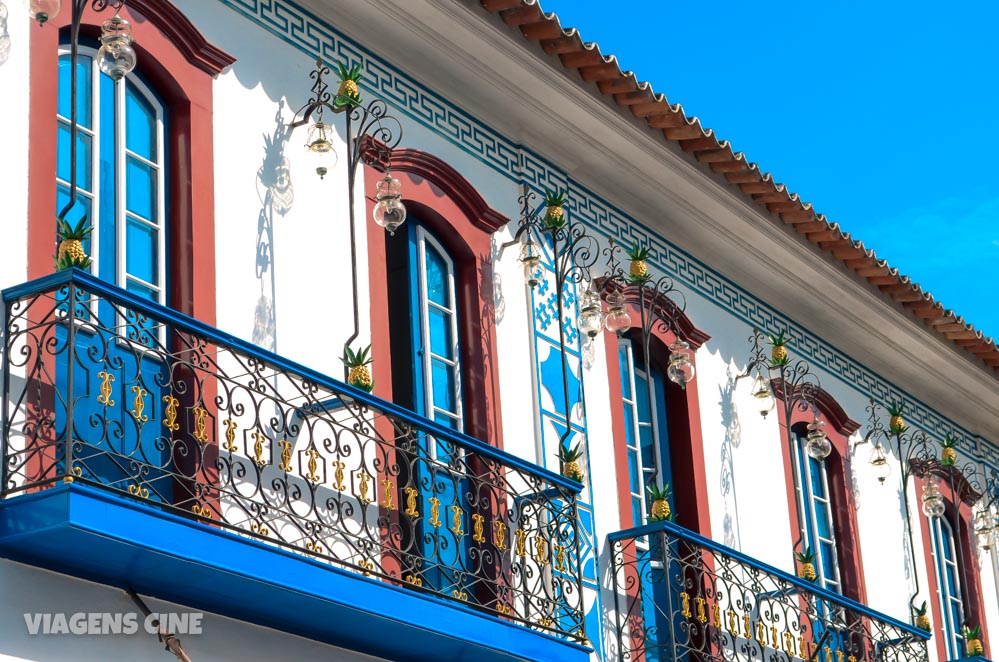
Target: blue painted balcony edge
x,y
102,537
805,586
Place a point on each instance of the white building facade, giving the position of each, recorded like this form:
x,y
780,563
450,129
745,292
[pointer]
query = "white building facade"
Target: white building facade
x,y
177,420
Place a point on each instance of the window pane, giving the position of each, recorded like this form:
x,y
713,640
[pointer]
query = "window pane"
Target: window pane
x,y
441,343
437,280
634,479
142,251
84,158
140,124
625,372
83,89
642,398
443,381
636,511
81,207
629,426
140,197
822,515
815,470
648,447
828,553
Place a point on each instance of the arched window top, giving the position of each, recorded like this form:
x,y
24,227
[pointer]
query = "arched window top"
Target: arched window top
x,y
827,406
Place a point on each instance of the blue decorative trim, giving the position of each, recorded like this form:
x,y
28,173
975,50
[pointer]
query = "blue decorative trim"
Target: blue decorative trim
x,y
314,36
96,535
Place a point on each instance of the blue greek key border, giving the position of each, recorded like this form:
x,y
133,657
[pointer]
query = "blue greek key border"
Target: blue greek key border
x,y
317,38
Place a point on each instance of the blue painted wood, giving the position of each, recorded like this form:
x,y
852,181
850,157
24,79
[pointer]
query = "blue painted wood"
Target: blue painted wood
x,y
98,536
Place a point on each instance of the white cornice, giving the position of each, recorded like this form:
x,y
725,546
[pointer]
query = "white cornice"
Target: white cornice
x,y
470,57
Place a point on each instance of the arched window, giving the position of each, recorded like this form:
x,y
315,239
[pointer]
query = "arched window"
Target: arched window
x,y
657,440
120,174
945,559
431,285
820,497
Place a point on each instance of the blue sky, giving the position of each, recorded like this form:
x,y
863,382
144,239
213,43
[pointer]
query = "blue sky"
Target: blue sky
x,y
882,114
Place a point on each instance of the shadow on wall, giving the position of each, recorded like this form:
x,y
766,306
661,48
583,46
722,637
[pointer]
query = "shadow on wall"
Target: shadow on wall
x,y
274,188
733,437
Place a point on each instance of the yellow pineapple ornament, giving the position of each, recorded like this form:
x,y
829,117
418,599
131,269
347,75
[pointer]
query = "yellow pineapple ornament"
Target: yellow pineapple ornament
x,y
358,375
638,272
948,455
70,252
896,424
973,640
806,565
555,212
570,458
348,94
778,354
660,510
922,620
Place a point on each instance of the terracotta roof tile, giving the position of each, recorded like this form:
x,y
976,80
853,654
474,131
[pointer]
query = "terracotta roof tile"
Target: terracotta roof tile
x,y
625,90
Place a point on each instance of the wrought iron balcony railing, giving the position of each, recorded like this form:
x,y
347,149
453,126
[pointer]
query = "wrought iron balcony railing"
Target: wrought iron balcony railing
x,y
128,396
680,596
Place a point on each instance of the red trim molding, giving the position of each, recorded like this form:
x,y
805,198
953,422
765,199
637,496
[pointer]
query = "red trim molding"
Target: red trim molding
x,y
827,405
176,27
452,184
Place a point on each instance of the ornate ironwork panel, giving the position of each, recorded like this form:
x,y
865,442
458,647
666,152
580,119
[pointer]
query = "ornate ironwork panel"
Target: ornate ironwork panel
x,y
106,389
680,596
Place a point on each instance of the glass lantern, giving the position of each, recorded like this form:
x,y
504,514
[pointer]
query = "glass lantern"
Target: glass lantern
x,y
933,503
531,260
879,461
817,444
116,56
681,367
389,213
591,314
618,317
985,529
764,396
43,10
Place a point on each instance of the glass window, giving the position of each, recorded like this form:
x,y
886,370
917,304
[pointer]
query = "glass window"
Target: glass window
x,y
645,430
120,174
817,530
438,334
949,586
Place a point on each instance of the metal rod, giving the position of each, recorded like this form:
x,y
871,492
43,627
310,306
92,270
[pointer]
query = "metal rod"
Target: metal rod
x,y
353,159
74,51
903,461
168,638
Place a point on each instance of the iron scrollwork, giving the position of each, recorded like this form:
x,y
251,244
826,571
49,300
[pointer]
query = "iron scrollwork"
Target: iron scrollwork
x,y
234,435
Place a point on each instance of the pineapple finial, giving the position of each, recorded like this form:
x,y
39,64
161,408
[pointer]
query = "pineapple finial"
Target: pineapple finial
x,y
358,374
70,252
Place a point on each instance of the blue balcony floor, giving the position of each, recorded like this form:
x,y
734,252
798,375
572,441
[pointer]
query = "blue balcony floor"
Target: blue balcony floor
x,y
99,536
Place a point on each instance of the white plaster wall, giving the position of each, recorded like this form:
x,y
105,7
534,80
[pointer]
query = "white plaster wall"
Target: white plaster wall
x,y
28,590
14,75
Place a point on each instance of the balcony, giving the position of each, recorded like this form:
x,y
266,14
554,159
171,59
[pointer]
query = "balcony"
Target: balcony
x,y
680,596
143,448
